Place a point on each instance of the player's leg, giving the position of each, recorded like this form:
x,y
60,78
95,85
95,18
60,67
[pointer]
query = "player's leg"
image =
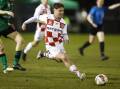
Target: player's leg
x,y
92,34
37,37
86,44
15,36
61,57
58,53
3,59
72,68
101,37
29,46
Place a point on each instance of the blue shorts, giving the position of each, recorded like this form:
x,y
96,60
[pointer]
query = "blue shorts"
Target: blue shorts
x,y
93,30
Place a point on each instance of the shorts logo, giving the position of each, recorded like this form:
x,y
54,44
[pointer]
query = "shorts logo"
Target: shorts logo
x,y
50,22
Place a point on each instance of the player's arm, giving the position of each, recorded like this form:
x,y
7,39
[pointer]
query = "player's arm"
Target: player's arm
x,y
35,17
90,20
111,7
2,12
37,12
40,19
30,20
65,35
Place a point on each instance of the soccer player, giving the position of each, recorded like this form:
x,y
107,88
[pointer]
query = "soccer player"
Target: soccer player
x,y
95,19
7,30
43,8
55,36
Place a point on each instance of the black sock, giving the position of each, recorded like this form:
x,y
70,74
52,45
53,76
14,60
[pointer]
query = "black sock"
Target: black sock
x,y
102,48
17,57
86,44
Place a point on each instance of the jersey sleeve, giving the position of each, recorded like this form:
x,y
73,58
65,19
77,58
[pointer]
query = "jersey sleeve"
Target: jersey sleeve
x,y
49,11
43,18
38,11
92,11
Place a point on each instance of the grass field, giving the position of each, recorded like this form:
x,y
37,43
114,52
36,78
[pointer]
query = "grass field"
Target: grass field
x,y
47,74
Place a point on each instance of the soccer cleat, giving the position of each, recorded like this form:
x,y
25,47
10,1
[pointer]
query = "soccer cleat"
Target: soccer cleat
x,y
8,69
18,67
24,55
104,57
40,54
82,76
81,51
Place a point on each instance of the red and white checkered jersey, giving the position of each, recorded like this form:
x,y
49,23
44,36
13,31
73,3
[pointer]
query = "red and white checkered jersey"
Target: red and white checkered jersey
x,y
40,10
56,31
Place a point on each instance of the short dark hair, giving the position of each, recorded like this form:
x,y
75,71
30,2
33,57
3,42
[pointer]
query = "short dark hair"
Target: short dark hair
x,y
58,5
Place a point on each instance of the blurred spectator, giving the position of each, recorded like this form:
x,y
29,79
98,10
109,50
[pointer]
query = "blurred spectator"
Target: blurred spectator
x,y
67,21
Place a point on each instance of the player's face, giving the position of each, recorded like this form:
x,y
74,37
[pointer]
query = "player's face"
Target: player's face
x,y
44,2
59,12
100,3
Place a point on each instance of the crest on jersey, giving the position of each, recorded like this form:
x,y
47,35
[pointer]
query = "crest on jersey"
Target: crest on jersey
x,y
50,22
62,25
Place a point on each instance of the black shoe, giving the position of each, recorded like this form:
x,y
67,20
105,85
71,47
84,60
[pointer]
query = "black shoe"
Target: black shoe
x,y
104,57
40,54
24,57
81,51
18,67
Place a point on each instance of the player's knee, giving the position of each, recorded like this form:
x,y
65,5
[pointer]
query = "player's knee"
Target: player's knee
x,y
63,57
91,40
20,41
101,39
1,48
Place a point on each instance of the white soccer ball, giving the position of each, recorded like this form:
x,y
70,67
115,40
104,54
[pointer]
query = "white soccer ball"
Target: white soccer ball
x,y
101,79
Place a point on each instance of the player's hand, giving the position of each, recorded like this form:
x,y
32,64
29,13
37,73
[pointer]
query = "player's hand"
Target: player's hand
x,y
94,25
23,26
10,13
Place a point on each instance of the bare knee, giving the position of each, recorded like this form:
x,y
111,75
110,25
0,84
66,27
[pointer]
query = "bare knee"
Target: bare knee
x,y
91,39
20,41
1,49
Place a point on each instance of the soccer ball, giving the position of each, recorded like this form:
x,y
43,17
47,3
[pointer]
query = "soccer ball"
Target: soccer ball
x,y
101,79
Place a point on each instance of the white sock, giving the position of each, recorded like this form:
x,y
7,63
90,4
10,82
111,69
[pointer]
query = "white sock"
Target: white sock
x,y
28,47
73,69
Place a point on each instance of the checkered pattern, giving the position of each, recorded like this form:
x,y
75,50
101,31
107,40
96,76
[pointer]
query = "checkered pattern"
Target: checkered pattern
x,y
54,31
53,38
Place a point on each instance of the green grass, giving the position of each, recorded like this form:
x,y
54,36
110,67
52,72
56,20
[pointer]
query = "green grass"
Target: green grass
x,y
47,74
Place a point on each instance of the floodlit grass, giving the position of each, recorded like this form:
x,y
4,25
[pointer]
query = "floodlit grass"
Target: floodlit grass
x,y
47,74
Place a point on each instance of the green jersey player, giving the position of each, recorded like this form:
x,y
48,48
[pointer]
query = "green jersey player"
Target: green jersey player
x,y
7,30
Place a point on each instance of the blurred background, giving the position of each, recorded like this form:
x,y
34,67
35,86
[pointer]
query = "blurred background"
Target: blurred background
x,y
75,14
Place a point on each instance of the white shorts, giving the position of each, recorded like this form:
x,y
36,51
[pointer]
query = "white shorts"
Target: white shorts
x,y
55,50
39,35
